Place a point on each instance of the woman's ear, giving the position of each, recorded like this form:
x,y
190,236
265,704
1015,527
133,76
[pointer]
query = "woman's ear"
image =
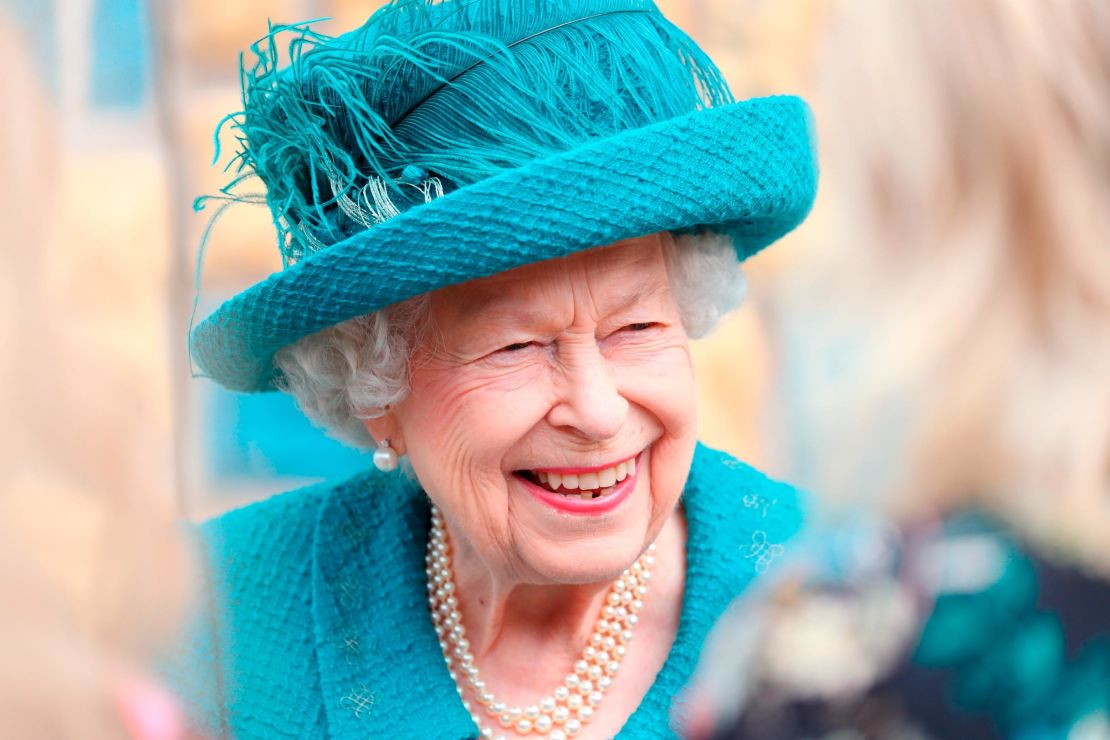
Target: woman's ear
x,y
385,427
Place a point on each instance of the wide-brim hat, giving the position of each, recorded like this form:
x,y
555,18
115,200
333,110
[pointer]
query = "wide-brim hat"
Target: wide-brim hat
x,y
444,142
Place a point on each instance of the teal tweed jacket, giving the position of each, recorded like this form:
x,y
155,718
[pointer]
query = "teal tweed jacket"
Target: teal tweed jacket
x,y
320,624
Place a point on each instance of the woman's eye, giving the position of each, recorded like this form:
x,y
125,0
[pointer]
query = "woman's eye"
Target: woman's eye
x,y
516,346
641,326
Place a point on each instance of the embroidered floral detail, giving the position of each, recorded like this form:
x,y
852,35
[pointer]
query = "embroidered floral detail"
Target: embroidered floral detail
x,y
358,701
756,501
763,551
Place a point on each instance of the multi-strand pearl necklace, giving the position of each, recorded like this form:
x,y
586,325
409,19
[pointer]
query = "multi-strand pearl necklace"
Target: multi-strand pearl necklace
x,y
562,713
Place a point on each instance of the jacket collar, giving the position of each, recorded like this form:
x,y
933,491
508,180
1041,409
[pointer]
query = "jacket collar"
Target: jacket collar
x,y
379,658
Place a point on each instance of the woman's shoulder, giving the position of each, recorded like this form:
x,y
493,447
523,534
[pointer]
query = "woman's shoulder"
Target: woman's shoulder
x,y
284,520
740,496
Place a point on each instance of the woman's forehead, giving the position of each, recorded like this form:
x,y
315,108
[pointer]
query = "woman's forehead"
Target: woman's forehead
x,y
616,276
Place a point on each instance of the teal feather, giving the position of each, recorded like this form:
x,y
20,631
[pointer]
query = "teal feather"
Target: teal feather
x,y
460,89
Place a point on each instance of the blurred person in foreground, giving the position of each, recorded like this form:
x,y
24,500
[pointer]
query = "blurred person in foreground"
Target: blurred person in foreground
x,y
502,221
948,357
93,573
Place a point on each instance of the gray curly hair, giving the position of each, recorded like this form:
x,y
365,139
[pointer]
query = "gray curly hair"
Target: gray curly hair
x,y
352,371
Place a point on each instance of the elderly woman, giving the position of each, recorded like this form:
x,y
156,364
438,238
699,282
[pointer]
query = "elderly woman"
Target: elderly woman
x,y
503,222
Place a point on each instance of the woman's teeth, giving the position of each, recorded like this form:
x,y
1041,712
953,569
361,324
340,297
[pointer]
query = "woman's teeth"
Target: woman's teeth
x,y
588,485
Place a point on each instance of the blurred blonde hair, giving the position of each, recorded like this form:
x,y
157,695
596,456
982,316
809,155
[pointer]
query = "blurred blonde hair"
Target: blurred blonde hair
x,y
951,335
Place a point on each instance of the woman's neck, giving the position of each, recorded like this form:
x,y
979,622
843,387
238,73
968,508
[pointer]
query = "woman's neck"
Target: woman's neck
x,y
546,621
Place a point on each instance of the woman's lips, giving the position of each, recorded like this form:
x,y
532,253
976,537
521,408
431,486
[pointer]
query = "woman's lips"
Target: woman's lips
x,y
563,502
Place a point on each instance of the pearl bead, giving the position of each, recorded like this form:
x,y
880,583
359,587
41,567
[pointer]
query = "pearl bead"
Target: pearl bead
x,y
557,735
524,726
581,666
571,681
487,733
573,726
574,701
505,719
543,723
594,698
531,711
560,715
612,667
561,693
547,704
585,713
603,657
385,458
585,687
604,683
594,672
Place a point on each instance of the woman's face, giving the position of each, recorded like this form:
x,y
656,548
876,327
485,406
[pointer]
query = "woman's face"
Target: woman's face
x,y
555,374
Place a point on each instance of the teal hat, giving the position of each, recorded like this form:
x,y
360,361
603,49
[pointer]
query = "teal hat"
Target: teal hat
x,y
442,142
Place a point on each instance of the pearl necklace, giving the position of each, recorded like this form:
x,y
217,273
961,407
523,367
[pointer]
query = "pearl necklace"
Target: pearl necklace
x,y
562,713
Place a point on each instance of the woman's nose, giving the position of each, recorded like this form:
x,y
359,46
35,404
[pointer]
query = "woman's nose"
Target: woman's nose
x,y
589,399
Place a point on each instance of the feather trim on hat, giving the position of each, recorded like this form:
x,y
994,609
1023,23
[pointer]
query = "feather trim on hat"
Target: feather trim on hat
x,y
429,97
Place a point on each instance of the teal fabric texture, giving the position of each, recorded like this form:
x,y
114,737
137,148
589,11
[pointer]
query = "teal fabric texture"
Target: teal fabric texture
x,y
442,142
321,624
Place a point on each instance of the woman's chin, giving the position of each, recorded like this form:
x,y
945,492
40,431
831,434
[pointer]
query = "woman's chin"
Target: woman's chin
x,y
580,565
571,548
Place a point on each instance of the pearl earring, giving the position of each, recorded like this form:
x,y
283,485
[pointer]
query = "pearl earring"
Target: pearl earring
x,y
385,457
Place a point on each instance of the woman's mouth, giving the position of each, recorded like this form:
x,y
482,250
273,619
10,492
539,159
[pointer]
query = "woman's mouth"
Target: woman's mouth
x,y
583,486
582,490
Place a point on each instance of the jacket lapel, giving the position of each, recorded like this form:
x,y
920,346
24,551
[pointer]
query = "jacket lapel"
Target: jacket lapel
x,y
381,670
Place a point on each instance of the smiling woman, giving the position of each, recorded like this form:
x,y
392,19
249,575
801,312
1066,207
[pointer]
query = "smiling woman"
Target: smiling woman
x,y
504,220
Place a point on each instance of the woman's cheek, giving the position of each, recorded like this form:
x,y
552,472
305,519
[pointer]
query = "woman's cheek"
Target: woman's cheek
x,y
661,379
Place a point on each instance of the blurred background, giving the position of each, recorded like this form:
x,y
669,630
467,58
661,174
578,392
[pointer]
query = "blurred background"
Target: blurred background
x,y
958,238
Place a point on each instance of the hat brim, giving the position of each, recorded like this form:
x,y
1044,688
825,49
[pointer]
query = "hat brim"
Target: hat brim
x,y
747,169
